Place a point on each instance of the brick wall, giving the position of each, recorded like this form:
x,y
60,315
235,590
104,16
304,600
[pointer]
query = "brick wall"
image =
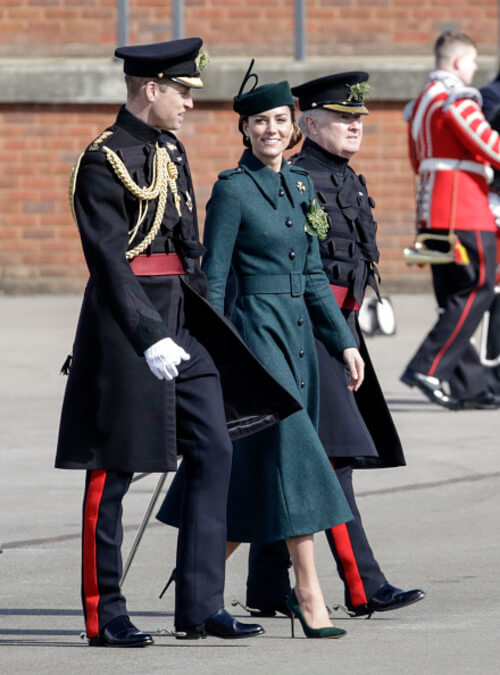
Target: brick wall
x,y
39,244
88,27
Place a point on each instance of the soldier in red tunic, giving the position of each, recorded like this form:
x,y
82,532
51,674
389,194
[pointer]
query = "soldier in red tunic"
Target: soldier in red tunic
x,y
451,149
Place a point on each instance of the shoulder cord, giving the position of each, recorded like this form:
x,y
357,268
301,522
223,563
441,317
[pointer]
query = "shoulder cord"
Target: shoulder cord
x,y
165,174
72,186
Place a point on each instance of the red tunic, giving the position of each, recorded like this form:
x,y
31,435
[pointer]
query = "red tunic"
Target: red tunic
x,y
451,148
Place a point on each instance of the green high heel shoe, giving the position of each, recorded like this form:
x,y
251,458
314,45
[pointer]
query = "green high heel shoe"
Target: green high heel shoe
x,y
295,611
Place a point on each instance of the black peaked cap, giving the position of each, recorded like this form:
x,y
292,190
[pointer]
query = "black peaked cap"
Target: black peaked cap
x,y
176,59
332,92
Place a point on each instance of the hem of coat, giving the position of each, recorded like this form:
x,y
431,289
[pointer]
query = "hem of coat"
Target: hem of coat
x,y
154,468
289,534
365,462
251,425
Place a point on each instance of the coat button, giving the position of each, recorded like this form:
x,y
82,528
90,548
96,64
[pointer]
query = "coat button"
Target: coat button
x,y
300,322
289,222
291,255
301,353
302,384
281,193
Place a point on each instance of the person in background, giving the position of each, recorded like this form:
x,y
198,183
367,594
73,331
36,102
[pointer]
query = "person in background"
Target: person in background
x,y
451,147
491,110
355,428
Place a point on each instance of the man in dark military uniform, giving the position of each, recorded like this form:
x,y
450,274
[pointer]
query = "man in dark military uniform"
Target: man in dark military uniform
x,y
356,430
151,358
491,110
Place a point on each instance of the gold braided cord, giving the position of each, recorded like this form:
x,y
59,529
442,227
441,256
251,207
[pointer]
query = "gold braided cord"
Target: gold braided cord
x,y
72,186
155,228
141,214
164,176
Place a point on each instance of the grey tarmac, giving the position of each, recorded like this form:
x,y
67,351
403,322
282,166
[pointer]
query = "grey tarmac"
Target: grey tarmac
x,y
432,524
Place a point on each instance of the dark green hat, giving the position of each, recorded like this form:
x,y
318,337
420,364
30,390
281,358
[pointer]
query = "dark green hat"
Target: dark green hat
x,y
258,99
177,60
343,92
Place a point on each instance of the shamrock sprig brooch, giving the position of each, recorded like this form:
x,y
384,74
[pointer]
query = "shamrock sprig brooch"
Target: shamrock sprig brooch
x,y
316,224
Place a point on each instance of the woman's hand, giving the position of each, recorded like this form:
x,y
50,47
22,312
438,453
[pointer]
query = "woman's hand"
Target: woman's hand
x,y
352,359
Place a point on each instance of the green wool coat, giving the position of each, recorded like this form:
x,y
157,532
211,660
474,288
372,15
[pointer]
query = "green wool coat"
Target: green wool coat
x,y
282,484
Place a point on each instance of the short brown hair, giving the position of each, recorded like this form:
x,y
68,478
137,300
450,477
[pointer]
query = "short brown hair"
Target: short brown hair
x,y
135,83
295,138
446,42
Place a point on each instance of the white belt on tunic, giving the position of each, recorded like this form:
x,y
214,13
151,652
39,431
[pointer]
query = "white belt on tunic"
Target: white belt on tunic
x,y
444,164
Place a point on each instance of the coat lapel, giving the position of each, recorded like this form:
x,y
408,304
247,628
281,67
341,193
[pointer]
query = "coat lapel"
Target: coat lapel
x,y
269,182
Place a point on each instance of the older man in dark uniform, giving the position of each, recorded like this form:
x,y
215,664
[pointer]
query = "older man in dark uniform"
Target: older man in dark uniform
x,y
151,358
356,429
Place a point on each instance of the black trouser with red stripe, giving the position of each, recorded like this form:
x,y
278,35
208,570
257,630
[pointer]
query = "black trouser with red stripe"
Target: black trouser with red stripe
x,y
268,581
203,440
463,293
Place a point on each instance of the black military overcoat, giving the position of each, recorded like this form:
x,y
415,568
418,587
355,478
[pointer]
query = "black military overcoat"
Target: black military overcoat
x,y
116,415
356,429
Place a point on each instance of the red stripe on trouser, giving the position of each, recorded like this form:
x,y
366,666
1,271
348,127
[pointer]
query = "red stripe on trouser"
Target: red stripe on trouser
x,y
466,310
342,542
90,586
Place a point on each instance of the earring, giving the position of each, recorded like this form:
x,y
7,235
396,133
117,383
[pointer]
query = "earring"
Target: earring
x,y
247,138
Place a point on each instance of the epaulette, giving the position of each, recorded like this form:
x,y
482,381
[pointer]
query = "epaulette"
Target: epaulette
x,y
298,169
95,145
230,172
459,93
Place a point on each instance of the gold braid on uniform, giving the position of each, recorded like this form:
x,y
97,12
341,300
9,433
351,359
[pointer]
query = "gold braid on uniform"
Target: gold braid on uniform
x,y
164,176
72,186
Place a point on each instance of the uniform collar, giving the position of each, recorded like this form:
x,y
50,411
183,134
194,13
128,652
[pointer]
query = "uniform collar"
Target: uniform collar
x,y
268,181
143,131
327,159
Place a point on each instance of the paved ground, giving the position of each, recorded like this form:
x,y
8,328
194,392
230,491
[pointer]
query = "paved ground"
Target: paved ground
x,y
433,524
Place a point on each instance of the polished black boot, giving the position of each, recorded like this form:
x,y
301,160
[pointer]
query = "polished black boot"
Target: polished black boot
x,y
385,599
221,625
121,632
431,387
485,401
224,625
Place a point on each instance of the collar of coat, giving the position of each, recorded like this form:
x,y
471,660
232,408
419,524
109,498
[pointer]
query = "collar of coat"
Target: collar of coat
x,y
271,182
143,131
327,159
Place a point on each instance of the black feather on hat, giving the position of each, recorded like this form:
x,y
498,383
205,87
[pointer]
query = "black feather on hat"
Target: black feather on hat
x,y
258,99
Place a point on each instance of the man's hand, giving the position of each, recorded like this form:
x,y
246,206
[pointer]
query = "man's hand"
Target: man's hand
x,y
352,359
163,357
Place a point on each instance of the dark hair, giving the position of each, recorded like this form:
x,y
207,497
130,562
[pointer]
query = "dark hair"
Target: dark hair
x,y
295,138
447,40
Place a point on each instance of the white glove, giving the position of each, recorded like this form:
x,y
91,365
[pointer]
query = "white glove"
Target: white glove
x,y
163,357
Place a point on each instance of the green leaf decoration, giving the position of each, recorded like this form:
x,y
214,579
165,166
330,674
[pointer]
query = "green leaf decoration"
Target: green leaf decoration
x,y
316,224
202,60
360,92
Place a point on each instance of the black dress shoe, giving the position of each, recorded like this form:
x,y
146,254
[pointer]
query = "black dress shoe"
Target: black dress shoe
x,y
485,401
121,632
224,625
386,598
430,387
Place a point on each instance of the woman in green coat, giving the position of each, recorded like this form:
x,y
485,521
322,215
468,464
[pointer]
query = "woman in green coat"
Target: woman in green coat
x,y
263,225
262,228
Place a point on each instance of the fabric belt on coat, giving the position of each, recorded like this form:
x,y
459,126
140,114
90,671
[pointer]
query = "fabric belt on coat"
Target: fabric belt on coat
x,y
445,164
344,297
157,264
291,284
